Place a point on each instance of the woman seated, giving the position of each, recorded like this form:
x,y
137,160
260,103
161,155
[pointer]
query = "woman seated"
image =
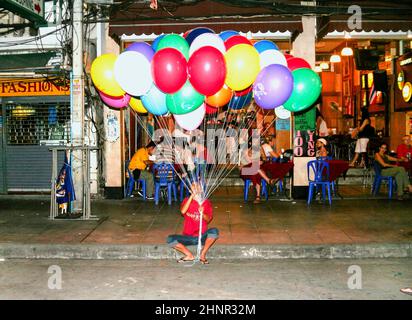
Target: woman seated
x,y
250,169
268,150
391,170
321,151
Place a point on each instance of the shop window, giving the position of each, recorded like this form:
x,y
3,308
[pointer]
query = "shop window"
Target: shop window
x,y
35,124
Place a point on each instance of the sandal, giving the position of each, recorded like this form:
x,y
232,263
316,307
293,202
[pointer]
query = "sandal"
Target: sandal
x,y
407,290
257,200
184,259
204,261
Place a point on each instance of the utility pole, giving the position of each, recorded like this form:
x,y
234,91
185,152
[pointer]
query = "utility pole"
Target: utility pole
x,y
77,106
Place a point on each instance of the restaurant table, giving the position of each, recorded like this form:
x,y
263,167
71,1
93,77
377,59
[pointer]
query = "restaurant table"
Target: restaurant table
x,y
336,169
277,170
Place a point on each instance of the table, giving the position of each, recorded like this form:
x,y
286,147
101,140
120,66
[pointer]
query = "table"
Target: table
x,y
277,170
337,168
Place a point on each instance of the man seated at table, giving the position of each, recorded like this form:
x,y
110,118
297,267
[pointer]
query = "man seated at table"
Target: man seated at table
x,y
321,151
391,170
268,149
404,148
140,166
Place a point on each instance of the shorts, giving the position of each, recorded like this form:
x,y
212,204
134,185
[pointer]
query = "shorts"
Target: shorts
x,y
361,145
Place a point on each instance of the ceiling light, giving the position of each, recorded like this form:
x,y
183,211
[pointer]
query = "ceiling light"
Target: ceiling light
x,y
347,51
324,66
318,69
335,58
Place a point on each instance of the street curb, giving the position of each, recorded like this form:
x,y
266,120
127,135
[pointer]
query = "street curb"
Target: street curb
x,y
143,251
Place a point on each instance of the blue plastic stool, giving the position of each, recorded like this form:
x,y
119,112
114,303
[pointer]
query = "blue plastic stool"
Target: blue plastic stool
x,y
164,178
320,171
263,191
378,180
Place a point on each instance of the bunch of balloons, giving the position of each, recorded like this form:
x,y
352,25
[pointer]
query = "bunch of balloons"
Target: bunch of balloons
x,y
201,71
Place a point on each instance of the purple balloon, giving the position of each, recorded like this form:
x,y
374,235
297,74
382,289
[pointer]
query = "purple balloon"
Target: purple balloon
x,y
273,86
143,48
115,102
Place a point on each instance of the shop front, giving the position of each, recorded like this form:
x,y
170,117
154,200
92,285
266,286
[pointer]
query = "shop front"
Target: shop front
x,y
35,114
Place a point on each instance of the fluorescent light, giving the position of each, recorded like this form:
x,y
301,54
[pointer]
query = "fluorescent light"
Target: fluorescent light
x,y
335,58
347,51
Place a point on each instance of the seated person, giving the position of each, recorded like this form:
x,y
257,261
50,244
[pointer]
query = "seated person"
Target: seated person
x,y
390,170
256,178
191,208
140,166
321,151
268,149
404,149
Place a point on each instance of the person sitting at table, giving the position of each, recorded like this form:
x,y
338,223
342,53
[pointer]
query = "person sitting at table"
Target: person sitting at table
x,y
391,170
321,150
268,149
246,162
404,149
140,166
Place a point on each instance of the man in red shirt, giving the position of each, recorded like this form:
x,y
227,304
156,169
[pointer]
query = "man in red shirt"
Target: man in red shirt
x,y
404,148
191,208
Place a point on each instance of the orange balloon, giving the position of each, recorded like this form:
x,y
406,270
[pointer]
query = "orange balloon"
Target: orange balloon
x,y
220,98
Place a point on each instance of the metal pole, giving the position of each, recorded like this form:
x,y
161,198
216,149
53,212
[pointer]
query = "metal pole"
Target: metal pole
x,y
77,107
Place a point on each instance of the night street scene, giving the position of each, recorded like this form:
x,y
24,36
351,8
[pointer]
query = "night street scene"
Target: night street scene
x,y
206,156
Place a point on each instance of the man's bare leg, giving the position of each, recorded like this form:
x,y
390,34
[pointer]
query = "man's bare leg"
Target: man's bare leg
x,y
208,243
181,248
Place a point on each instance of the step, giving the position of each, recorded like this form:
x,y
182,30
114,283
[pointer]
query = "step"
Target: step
x,y
238,251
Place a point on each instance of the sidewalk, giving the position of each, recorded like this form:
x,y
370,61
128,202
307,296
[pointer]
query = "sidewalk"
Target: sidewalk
x,y
281,228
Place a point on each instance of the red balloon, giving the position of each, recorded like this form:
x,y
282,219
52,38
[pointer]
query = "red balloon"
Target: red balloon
x,y
288,56
169,70
297,63
243,92
207,70
234,40
210,109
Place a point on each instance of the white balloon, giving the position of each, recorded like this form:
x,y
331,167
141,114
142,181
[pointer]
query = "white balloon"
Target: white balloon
x,y
282,113
192,120
132,71
272,56
207,39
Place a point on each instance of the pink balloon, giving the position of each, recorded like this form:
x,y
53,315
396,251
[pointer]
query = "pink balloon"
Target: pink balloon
x,y
115,102
210,109
297,63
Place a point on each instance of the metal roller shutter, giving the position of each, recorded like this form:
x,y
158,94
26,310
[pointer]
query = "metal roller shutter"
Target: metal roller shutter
x,y
29,131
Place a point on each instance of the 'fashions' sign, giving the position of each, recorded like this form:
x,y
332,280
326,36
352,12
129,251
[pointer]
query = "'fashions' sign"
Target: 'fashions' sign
x,y
33,87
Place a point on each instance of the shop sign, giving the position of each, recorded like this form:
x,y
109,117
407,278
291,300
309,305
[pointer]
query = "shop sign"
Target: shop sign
x,y
33,87
32,10
304,143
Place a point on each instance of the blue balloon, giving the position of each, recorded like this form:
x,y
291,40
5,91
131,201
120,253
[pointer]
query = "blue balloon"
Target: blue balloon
x,y
193,34
240,102
155,101
156,42
264,45
224,35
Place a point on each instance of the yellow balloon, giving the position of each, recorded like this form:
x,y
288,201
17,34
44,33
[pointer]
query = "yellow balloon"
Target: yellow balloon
x,y
137,105
102,72
243,66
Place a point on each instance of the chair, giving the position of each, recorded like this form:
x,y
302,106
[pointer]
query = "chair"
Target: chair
x,y
131,182
164,178
263,191
184,190
378,180
318,175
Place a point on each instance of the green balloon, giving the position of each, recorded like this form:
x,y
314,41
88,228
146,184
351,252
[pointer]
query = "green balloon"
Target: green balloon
x,y
307,87
185,100
174,41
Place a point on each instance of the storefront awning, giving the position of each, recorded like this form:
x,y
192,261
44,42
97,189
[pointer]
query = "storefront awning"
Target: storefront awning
x,y
211,14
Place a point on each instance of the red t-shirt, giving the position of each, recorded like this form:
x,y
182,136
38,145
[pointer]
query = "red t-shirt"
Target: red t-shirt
x,y
403,150
192,216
